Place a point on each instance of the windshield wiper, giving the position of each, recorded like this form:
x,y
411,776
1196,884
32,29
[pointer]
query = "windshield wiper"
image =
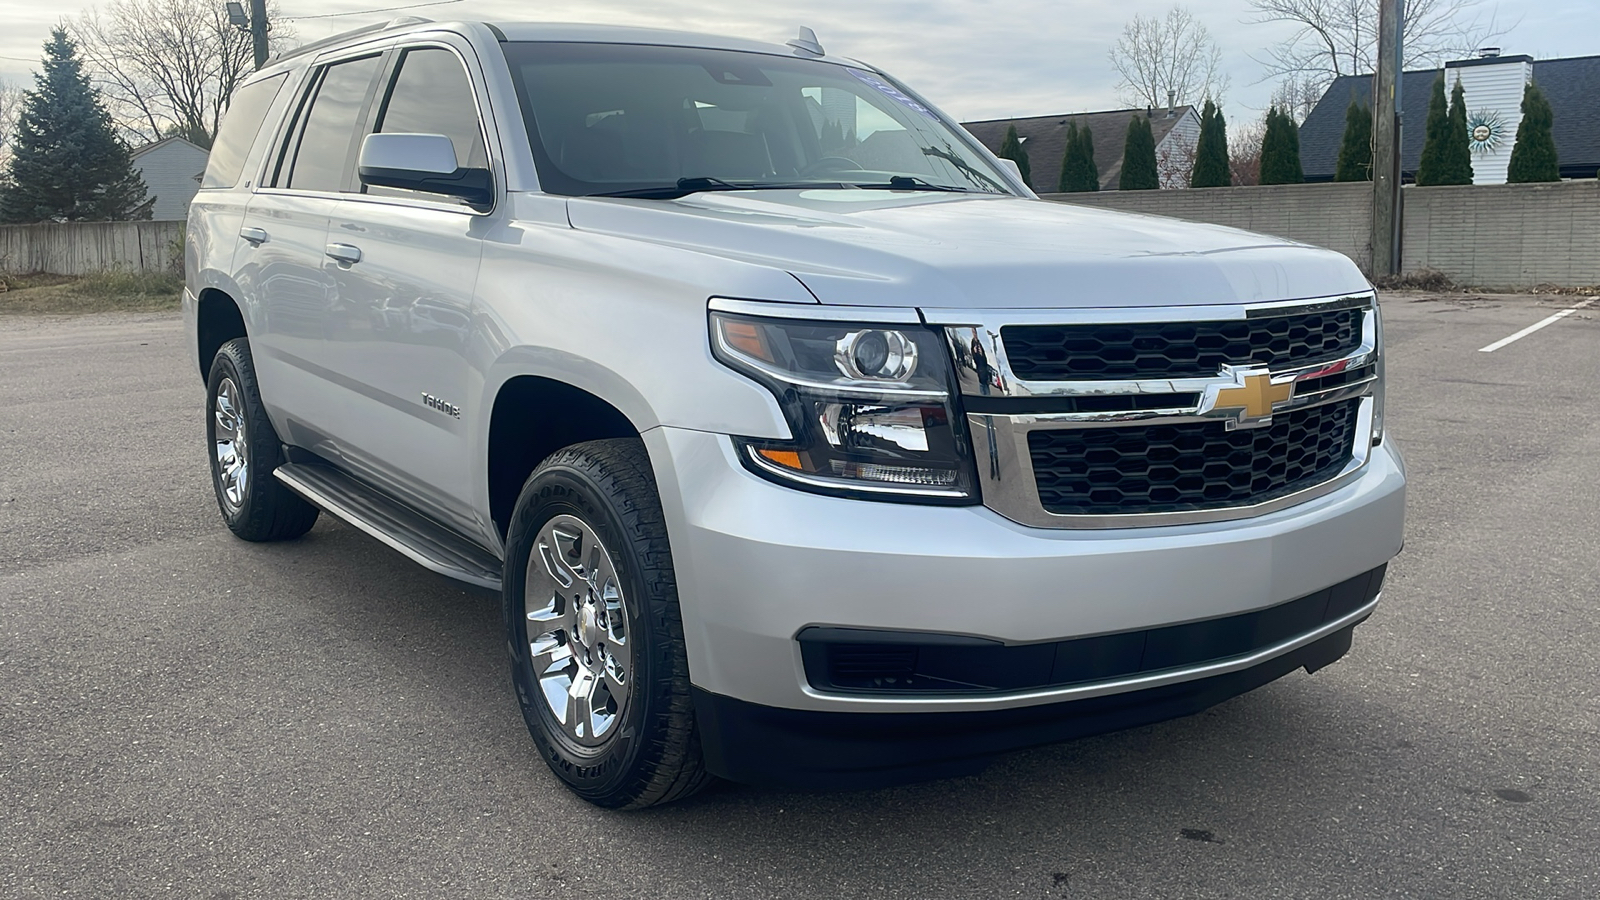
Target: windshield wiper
x,y
913,183
687,186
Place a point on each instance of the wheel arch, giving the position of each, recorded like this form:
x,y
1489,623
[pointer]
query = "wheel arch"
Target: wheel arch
x,y
218,320
532,417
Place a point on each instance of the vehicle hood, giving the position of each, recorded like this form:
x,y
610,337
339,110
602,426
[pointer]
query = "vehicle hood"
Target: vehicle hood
x,y
883,248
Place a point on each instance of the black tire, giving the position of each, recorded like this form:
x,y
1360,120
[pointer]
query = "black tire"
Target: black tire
x,y
262,508
653,755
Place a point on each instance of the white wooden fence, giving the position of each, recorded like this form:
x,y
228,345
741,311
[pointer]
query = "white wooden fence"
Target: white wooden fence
x,y
84,248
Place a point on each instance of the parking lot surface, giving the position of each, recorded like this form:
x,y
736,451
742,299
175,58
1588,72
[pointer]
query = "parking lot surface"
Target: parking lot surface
x,y
184,714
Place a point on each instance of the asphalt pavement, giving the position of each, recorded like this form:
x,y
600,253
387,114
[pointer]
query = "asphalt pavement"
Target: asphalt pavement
x,y
183,714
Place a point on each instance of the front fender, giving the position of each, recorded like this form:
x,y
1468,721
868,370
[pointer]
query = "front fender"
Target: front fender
x,y
624,320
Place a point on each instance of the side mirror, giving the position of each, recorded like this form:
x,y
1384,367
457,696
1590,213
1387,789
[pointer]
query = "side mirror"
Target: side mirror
x,y
423,162
1012,167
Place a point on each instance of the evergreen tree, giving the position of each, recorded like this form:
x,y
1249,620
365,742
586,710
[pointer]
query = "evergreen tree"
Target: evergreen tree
x,y
66,161
1534,156
1458,149
1069,159
1270,139
1211,152
1298,174
1430,170
1280,150
1091,171
1355,152
1078,170
1011,148
1139,158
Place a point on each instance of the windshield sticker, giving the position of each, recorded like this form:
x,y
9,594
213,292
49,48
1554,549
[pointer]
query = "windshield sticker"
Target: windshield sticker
x,y
892,92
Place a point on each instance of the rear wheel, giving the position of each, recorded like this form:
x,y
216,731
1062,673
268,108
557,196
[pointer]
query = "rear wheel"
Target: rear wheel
x,y
244,452
594,629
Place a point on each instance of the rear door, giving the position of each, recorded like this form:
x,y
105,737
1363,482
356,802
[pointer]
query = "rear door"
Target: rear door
x,y
405,288
217,212
282,262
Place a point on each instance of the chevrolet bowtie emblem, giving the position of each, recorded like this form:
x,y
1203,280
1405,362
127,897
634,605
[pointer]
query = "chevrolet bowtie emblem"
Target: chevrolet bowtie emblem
x,y
1249,402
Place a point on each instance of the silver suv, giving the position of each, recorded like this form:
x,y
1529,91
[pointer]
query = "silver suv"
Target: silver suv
x,y
803,442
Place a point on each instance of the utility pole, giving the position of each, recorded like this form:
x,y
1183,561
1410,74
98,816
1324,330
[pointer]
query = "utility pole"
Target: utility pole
x,y
1386,129
258,30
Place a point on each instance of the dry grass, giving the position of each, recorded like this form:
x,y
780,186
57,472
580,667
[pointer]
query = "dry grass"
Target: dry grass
x,y
1590,291
105,292
1431,280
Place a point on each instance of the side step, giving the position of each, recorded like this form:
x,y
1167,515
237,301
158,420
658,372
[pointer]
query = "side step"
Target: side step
x,y
424,540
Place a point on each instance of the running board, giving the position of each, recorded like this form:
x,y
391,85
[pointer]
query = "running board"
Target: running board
x,y
427,542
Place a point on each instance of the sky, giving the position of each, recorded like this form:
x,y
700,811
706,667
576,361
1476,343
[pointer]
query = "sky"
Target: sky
x,y
976,59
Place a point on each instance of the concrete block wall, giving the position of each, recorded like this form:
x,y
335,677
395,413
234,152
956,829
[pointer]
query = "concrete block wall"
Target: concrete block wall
x,y
1505,236
1496,237
1335,216
84,248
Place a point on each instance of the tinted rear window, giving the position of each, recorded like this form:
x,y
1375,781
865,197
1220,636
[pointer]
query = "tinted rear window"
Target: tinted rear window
x,y
246,113
330,126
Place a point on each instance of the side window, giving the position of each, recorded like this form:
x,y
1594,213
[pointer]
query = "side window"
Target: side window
x,y
246,112
319,151
431,95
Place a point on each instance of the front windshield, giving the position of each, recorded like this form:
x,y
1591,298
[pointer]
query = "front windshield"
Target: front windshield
x,y
627,118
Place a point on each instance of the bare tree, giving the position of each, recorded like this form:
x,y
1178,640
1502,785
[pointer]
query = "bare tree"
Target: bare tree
x,y
1298,95
1340,37
1173,58
166,67
10,110
1244,153
1175,161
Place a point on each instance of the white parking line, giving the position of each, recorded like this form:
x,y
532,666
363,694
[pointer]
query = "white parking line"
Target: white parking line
x,y
1532,328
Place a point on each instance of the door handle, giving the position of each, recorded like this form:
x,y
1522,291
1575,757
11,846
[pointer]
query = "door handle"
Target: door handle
x,y
344,254
256,236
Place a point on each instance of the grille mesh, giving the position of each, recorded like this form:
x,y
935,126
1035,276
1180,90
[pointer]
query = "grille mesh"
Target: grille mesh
x,y
1178,349
1190,466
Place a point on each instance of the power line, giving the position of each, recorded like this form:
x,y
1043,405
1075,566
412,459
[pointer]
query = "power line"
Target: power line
x,y
363,12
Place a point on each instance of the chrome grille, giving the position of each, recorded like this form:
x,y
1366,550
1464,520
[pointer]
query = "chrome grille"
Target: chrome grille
x,y
1190,466
1178,349
1151,416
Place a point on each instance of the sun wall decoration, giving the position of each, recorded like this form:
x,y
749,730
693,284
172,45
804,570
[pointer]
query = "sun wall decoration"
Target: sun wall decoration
x,y
1486,130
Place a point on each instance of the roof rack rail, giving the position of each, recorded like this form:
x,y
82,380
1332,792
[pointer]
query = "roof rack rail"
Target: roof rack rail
x,y
346,35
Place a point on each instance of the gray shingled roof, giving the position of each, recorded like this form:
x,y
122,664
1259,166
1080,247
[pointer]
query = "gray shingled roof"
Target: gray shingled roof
x,y
1571,85
1047,140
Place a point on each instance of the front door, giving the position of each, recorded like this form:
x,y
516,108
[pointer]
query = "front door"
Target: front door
x,y
405,284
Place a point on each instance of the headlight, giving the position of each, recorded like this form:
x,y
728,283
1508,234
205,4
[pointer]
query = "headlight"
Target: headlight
x,y
870,407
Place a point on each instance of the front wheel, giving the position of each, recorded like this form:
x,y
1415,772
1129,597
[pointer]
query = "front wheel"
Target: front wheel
x,y
594,629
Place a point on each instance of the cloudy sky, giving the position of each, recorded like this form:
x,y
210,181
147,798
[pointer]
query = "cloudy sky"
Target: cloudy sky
x,y
978,59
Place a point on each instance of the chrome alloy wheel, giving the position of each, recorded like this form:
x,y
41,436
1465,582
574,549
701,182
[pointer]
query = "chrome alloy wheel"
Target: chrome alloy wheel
x,y
577,630
232,446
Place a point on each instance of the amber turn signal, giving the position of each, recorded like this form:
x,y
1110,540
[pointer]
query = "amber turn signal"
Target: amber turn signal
x,y
746,338
789,459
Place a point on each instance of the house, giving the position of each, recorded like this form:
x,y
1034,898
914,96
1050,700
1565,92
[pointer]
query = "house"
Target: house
x,y
1493,87
171,169
1175,129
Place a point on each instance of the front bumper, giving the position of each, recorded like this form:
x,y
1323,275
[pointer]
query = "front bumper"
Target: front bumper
x,y
756,744
757,563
